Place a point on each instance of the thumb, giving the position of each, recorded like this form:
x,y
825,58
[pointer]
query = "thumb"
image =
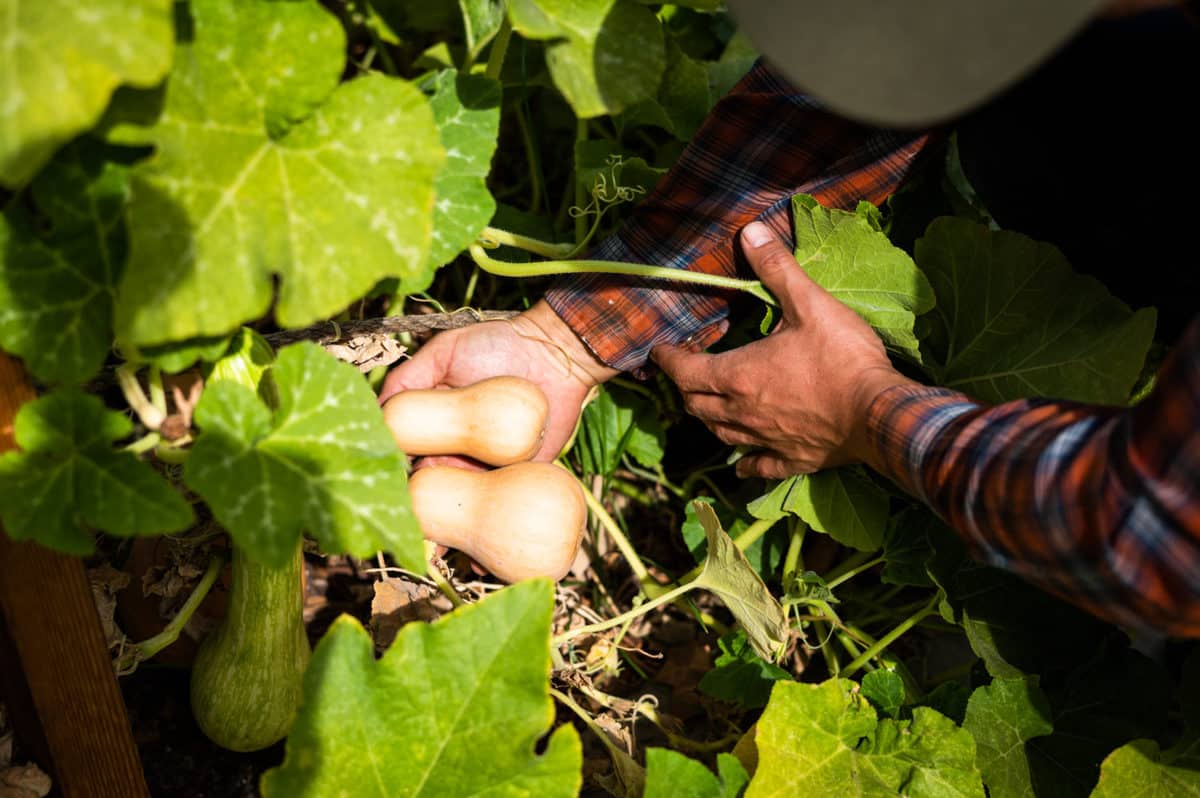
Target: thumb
x,y
777,268
426,369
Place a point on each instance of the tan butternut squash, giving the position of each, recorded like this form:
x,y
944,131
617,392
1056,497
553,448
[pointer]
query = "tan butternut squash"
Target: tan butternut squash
x,y
498,421
518,522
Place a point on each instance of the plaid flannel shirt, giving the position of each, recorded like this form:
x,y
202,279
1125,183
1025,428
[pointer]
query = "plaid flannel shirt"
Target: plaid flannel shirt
x,y
1100,506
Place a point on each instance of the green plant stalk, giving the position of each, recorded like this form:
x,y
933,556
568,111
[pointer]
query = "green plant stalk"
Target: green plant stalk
x,y
616,753
135,397
853,572
469,293
147,648
640,609
144,443
158,397
793,561
891,637
495,62
581,135
547,249
614,530
850,563
532,158
549,267
380,47
447,589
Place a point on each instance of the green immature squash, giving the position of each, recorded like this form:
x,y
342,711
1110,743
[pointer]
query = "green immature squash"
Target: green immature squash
x,y
498,421
247,680
519,522
248,676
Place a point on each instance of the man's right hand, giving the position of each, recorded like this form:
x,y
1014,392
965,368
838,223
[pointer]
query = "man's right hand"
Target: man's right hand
x,y
536,345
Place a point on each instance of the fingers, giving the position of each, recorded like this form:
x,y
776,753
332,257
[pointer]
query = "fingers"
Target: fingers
x,y
777,268
767,465
691,371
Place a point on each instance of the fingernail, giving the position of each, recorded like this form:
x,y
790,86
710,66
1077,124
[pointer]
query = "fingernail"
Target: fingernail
x,y
756,234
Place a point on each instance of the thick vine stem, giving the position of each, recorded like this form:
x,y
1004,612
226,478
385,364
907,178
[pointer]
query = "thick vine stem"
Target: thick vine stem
x,y
328,332
549,267
138,652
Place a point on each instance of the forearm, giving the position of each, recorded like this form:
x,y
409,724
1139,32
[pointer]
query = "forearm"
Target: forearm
x,y
761,144
1097,505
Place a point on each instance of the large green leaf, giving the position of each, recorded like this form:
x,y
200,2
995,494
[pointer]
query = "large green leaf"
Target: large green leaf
x,y
673,775
728,573
481,23
1140,770
454,708
617,422
824,739
841,502
467,111
68,478
62,59
1001,717
323,463
265,166
849,256
56,290
1014,321
604,55
764,554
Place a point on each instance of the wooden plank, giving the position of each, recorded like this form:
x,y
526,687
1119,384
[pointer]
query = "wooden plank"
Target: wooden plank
x,y
50,618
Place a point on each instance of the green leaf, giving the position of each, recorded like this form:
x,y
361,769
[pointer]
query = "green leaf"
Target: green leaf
x,y
63,59
454,708
740,675
823,739
683,98
68,478
1001,717
56,290
727,573
481,23
1118,697
1140,770
1014,627
906,547
467,111
616,422
264,165
1014,321
764,554
673,775
604,55
323,463
841,502
885,690
850,257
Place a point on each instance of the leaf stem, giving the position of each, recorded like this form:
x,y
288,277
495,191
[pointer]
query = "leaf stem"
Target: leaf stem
x,y
853,572
891,637
146,649
544,268
614,531
793,561
640,609
495,62
146,411
546,249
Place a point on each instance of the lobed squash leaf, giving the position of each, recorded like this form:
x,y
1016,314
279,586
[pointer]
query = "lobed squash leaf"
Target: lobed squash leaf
x,y
1001,717
455,707
818,739
841,502
323,463
603,55
57,288
849,256
673,775
1013,320
63,59
68,478
467,111
264,165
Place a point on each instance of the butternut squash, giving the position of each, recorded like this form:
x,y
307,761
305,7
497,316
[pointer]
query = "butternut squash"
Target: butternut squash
x,y
518,522
498,421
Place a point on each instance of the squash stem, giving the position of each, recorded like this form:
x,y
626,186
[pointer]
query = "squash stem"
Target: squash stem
x,y
146,649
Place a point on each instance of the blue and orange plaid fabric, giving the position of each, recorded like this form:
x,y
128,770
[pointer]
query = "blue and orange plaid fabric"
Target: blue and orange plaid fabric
x,y
1100,506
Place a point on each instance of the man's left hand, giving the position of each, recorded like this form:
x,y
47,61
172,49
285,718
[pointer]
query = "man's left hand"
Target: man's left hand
x,y
802,393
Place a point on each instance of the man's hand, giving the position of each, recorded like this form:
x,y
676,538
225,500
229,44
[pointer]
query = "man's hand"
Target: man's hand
x,y
536,345
801,393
